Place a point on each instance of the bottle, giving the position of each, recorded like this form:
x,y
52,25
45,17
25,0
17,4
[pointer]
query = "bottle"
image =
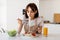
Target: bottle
x,y
45,31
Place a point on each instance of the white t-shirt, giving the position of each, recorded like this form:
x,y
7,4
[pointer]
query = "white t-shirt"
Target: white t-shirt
x,y
37,21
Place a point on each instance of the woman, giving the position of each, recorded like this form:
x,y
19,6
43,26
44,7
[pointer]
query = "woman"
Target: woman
x,y
32,22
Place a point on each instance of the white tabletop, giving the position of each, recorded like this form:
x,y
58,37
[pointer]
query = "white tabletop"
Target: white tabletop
x,y
53,34
5,36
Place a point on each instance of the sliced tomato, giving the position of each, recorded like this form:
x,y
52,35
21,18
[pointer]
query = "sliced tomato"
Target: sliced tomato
x,y
33,34
25,32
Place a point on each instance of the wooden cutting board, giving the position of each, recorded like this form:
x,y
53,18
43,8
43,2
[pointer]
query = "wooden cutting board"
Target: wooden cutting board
x,y
57,17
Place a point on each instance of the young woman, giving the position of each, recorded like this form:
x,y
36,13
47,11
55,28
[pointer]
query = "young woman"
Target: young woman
x,y
32,22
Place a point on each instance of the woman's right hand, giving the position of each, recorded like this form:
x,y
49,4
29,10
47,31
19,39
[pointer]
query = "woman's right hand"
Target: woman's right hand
x,y
19,21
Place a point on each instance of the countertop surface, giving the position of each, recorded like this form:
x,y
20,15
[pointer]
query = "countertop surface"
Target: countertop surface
x,y
4,36
53,34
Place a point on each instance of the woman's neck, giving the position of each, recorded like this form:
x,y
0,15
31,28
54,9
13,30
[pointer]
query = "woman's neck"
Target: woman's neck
x,y
31,18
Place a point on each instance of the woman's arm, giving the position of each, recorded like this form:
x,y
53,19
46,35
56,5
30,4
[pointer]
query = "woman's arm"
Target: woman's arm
x,y
40,25
20,25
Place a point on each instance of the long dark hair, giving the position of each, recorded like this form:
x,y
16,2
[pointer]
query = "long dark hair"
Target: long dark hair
x,y
34,8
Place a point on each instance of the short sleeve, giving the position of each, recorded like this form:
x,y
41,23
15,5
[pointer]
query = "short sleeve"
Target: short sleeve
x,y
40,21
24,20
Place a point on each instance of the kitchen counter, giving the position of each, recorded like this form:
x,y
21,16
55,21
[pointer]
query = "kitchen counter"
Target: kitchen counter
x,y
53,34
4,36
53,28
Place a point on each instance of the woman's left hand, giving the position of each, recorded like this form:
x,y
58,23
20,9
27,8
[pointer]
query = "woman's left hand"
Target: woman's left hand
x,y
39,30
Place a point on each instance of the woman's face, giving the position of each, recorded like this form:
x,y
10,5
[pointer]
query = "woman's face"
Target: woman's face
x,y
30,13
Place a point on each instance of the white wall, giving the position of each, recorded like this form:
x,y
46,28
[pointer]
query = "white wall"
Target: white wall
x,y
3,12
14,10
48,8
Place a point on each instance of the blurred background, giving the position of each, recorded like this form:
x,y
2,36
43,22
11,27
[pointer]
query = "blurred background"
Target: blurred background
x,y
10,10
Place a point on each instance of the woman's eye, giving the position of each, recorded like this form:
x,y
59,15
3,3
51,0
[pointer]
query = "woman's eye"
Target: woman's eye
x,y
30,12
27,11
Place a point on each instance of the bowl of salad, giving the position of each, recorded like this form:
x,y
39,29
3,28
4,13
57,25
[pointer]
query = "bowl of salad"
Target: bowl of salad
x,y
12,33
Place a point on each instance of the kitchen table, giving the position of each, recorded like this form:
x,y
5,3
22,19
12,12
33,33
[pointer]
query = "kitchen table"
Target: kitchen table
x,y
53,34
4,36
